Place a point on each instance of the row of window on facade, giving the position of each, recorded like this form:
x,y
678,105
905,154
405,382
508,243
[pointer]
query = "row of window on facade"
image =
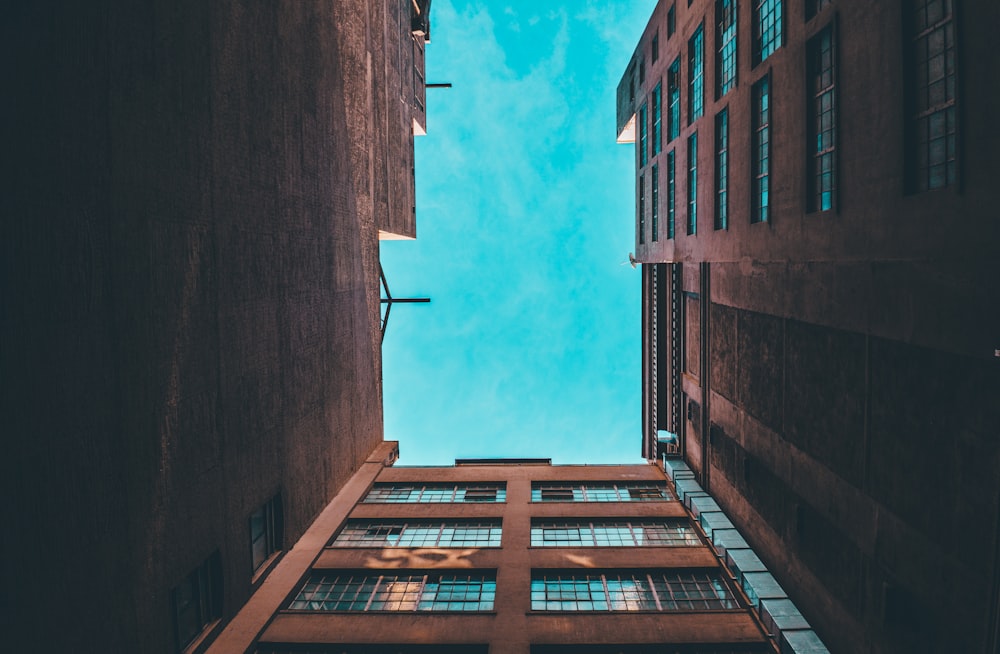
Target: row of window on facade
x,y
592,532
551,590
932,116
408,493
196,602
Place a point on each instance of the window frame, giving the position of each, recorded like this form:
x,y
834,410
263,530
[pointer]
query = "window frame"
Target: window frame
x,y
814,95
432,493
760,210
654,198
373,587
596,491
696,74
418,533
656,100
666,532
270,515
674,100
641,226
921,111
206,597
671,192
643,137
722,43
692,184
630,591
721,219
758,32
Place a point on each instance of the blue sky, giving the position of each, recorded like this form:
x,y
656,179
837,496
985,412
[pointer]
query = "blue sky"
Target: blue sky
x,y
530,346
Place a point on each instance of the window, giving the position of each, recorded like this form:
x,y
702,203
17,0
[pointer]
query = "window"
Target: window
x,y
761,156
642,72
265,531
722,169
670,193
657,110
642,209
725,38
696,69
436,493
630,491
933,117
659,590
822,120
671,21
642,137
368,591
655,47
197,601
397,648
693,183
614,533
813,7
674,100
766,28
656,202
419,533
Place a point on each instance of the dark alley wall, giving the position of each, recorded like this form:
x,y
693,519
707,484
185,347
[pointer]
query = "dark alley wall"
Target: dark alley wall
x,y
189,263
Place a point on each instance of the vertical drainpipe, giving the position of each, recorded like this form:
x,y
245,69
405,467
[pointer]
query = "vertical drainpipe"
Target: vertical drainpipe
x,y
647,346
676,353
705,367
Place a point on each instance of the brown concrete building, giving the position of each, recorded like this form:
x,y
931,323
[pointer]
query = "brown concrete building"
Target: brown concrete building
x,y
500,556
817,224
191,369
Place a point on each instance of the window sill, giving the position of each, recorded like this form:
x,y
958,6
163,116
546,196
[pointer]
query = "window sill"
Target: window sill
x,y
265,568
207,635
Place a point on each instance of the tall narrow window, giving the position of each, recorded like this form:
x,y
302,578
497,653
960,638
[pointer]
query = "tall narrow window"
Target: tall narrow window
x,y
655,47
693,183
932,97
766,28
671,21
265,531
696,69
761,155
722,169
674,100
822,120
655,197
671,177
642,209
657,111
643,153
197,601
725,39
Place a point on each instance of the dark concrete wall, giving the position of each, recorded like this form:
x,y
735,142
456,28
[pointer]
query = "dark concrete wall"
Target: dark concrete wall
x,y
189,287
